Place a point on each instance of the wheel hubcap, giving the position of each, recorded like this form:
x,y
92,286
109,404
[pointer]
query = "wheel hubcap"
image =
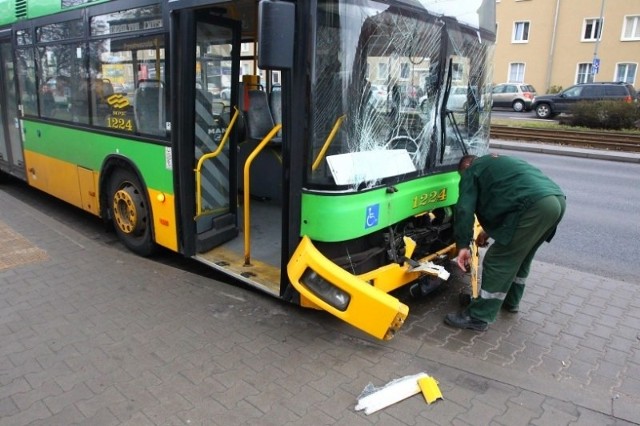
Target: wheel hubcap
x,y
125,211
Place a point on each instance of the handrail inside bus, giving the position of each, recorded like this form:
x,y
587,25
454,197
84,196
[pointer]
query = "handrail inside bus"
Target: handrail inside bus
x,y
246,189
213,154
332,135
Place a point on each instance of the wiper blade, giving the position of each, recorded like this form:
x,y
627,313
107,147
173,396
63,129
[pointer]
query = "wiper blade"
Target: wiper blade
x,y
444,113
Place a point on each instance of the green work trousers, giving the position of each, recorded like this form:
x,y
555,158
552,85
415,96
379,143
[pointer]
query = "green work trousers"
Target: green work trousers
x,y
506,266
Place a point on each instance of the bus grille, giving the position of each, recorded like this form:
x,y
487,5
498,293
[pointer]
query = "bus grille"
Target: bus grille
x,y
21,9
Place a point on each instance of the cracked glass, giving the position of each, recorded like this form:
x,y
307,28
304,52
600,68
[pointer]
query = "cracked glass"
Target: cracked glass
x,y
398,90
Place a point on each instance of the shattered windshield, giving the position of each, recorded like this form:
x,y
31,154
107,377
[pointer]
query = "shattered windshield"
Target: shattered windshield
x,y
398,91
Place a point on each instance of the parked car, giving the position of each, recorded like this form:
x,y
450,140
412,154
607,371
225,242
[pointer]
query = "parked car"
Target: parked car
x,y
458,99
225,93
546,106
518,96
378,97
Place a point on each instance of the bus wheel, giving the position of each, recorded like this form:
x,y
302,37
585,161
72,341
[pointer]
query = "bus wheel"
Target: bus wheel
x,y
130,212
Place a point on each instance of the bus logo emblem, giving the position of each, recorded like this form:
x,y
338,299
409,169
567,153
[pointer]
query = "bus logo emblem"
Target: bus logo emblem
x,y
372,215
118,101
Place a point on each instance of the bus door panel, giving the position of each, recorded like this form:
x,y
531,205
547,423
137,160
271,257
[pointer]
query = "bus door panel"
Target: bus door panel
x,y
216,216
10,139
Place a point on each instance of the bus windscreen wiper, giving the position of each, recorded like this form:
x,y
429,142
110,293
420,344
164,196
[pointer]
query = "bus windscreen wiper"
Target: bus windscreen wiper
x,y
446,112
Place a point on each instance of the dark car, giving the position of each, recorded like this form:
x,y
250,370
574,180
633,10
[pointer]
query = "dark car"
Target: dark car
x,y
546,106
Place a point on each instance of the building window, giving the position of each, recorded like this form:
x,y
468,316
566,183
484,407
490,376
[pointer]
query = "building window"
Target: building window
x,y
626,73
404,71
584,73
631,29
516,72
383,71
521,32
592,30
457,72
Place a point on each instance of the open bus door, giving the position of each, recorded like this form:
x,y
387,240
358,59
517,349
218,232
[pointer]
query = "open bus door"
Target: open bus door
x,y
211,155
203,44
11,157
217,41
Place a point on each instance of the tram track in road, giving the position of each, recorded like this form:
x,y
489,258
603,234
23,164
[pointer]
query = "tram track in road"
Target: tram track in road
x,y
612,141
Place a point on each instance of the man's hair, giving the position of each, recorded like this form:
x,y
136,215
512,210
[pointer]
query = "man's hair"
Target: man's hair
x,y
466,161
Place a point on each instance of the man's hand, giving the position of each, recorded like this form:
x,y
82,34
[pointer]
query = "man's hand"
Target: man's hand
x,y
464,255
482,239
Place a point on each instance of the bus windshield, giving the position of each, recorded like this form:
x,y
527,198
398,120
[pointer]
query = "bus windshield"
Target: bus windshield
x,y
397,90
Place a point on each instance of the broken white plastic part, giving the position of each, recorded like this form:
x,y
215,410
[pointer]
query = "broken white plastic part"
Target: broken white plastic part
x,y
389,394
432,269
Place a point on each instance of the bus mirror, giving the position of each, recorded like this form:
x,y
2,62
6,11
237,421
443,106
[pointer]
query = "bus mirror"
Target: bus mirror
x,y
276,21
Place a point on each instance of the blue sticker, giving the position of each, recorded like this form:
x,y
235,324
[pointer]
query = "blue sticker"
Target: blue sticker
x,y
373,213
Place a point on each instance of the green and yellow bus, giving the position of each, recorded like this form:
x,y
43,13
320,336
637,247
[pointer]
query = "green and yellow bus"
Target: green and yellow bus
x,y
307,148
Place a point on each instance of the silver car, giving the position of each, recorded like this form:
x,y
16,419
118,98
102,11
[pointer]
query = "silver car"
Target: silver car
x,y
513,95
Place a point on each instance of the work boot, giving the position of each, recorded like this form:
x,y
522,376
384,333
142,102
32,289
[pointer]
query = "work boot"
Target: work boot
x,y
463,320
511,309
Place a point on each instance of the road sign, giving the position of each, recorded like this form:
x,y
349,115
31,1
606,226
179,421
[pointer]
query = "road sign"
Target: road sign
x,y
595,66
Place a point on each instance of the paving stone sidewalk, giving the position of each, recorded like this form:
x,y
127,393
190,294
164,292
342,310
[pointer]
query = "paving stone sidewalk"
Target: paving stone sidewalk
x,y
95,335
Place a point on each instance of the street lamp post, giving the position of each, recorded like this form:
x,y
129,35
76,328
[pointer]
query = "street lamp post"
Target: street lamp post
x,y
595,65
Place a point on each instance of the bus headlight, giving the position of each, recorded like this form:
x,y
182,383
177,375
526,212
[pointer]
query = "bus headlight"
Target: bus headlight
x,y
328,292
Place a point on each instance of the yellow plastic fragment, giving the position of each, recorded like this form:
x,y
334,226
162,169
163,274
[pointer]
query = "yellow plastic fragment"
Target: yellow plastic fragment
x,y
430,390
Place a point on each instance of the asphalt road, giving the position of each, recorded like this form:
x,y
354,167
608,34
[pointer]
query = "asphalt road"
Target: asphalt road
x,y
600,232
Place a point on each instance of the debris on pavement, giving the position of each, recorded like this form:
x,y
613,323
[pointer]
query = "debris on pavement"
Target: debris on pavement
x,y
373,399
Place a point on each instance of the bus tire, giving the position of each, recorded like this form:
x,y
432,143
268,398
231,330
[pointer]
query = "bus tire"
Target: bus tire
x,y
130,213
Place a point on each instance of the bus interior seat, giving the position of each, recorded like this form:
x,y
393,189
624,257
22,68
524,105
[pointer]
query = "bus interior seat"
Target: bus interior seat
x,y
266,169
275,102
107,88
150,114
259,119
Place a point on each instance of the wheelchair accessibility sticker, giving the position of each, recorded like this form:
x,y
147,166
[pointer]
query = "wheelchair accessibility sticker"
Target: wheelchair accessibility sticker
x,y
373,213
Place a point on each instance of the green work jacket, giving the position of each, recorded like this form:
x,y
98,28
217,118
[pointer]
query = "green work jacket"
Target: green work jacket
x,y
498,189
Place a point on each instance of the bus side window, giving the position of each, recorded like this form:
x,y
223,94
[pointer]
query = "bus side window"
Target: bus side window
x,y
79,101
47,101
26,76
61,93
